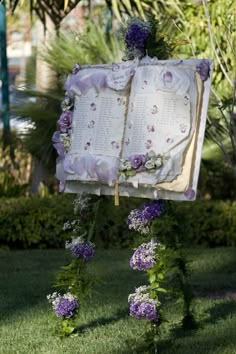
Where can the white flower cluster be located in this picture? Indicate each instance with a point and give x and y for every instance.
(136, 223)
(73, 225)
(52, 298)
(142, 295)
(65, 140)
(69, 245)
(81, 203)
(55, 299)
(144, 256)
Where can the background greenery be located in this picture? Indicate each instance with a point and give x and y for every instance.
(37, 222)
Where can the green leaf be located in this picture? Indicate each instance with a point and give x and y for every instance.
(116, 10)
(161, 290)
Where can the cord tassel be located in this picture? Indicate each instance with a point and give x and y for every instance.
(116, 194)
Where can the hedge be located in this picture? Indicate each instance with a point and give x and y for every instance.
(34, 222)
(37, 222)
(210, 223)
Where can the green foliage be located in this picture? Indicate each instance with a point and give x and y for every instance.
(76, 278)
(42, 116)
(111, 228)
(34, 222)
(92, 46)
(158, 272)
(14, 171)
(209, 223)
(37, 223)
(217, 179)
(204, 222)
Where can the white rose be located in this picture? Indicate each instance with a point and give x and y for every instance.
(66, 141)
(125, 165)
(149, 164)
(151, 154)
(158, 162)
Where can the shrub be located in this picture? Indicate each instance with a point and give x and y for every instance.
(34, 222)
(210, 223)
(37, 222)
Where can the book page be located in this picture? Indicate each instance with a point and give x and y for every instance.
(160, 120)
(156, 122)
(98, 123)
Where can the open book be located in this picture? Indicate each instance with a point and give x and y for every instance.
(138, 126)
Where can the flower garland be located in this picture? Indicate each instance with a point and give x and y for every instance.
(141, 163)
(151, 257)
(74, 278)
(160, 263)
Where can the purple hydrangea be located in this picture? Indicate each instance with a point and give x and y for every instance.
(143, 310)
(137, 161)
(63, 305)
(65, 121)
(136, 37)
(145, 256)
(139, 219)
(141, 306)
(203, 69)
(81, 248)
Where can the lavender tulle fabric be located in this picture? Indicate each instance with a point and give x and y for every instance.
(97, 168)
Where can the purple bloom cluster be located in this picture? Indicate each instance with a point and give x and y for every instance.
(65, 121)
(141, 306)
(63, 305)
(145, 256)
(81, 248)
(136, 37)
(143, 310)
(139, 219)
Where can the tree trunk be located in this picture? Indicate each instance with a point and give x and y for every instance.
(45, 79)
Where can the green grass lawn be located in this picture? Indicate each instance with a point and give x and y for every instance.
(26, 319)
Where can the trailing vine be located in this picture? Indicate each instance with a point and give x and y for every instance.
(166, 270)
(74, 279)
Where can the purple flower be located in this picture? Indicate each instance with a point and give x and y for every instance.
(136, 37)
(144, 256)
(65, 121)
(81, 248)
(203, 69)
(139, 219)
(152, 209)
(57, 144)
(137, 161)
(144, 310)
(141, 306)
(189, 193)
(63, 305)
(76, 69)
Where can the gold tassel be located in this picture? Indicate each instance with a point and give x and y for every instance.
(116, 194)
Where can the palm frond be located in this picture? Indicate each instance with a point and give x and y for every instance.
(91, 46)
(56, 10)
